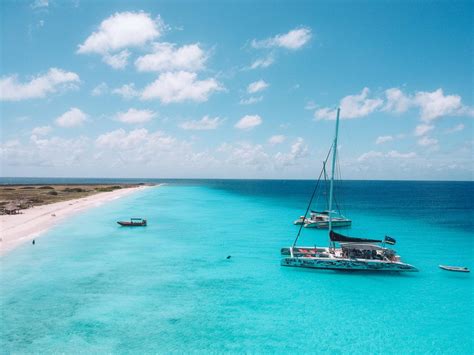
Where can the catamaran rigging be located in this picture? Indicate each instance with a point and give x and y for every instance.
(353, 253)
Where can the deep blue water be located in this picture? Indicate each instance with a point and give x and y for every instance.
(91, 286)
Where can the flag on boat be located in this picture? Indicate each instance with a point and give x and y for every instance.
(389, 240)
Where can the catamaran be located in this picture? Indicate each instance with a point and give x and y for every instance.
(320, 219)
(352, 253)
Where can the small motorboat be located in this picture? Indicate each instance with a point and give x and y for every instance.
(134, 222)
(454, 268)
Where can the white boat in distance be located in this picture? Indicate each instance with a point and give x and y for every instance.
(359, 254)
(454, 268)
(321, 220)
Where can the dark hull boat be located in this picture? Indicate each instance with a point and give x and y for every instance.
(134, 222)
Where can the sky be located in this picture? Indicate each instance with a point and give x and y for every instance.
(236, 89)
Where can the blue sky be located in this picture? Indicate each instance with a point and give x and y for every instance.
(236, 89)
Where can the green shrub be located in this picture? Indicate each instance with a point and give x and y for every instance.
(74, 189)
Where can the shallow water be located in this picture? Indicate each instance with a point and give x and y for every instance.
(90, 286)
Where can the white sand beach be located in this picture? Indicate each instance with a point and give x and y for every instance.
(32, 222)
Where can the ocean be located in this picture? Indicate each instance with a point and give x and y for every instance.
(89, 285)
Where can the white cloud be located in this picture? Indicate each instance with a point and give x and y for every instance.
(251, 100)
(254, 155)
(371, 155)
(118, 32)
(435, 104)
(147, 150)
(396, 101)
(44, 152)
(205, 123)
(245, 154)
(398, 155)
(135, 116)
(257, 86)
(294, 39)
(145, 144)
(166, 57)
(139, 149)
(426, 141)
(277, 139)
(72, 118)
(249, 122)
(262, 62)
(100, 89)
(180, 86)
(432, 105)
(127, 91)
(383, 139)
(457, 128)
(117, 61)
(422, 129)
(38, 4)
(41, 131)
(120, 139)
(352, 106)
(298, 151)
(38, 87)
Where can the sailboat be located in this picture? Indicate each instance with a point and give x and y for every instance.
(362, 254)
(320, 219)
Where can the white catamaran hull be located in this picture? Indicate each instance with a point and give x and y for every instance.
(324, 258)
(325, 224)
(346, 264)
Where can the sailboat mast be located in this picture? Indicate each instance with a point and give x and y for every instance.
(333, 169)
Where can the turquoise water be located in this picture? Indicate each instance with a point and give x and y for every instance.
(90, 286)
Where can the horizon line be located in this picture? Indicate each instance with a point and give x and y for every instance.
(207, 178)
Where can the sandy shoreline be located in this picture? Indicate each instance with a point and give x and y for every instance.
(24, 227)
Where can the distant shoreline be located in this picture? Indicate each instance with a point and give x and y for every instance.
(17, 229)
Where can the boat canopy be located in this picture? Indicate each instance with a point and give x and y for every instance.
(336, 237)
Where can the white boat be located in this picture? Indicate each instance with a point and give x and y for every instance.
(454, 268)
(321, 221)
(313, 217)
(360, 254)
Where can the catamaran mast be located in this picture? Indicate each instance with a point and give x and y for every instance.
(333, 169)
